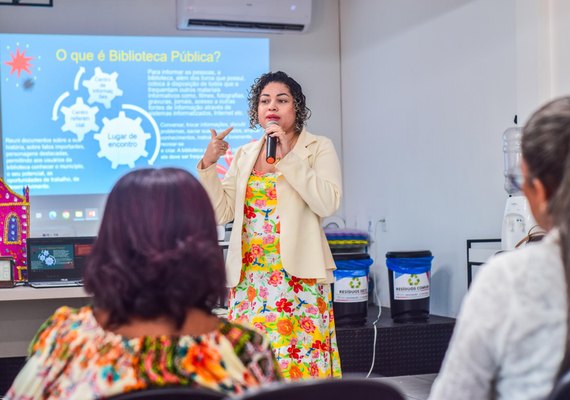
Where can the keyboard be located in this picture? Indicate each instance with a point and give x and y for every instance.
(55, 284)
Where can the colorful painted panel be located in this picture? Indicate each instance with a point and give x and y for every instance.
(14, 227)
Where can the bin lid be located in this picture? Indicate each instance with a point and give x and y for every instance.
(354, 256)
(408, 254)
(353, 264)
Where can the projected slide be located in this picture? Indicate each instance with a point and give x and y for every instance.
(78, 112)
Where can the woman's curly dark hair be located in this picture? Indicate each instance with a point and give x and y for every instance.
(302, 112)
(157, 252)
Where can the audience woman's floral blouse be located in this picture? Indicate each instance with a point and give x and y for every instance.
(73, 357)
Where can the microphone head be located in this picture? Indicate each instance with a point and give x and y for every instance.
(269, 123)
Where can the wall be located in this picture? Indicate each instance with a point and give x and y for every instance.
(534, 68)
(559, 29)
(311, 58)
(427, 90)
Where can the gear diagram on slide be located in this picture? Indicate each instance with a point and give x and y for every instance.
(103, 88)
(79, 119)
(47, 258)
(122, 139)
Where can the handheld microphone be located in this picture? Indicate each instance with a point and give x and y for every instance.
(271, 146)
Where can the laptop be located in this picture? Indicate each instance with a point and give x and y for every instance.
(57, 261)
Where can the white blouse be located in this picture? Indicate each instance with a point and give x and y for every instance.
(510, 335)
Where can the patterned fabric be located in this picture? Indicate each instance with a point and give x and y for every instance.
(295, 313)
(73, 357)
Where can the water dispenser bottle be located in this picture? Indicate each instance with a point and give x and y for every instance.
(513, 155)
(517, 219)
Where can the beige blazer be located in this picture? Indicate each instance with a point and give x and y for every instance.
(309, 188)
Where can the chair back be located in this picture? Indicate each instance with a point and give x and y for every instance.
(329, 389)
(170, 393)
(561, 389)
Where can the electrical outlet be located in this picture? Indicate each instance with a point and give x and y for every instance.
(371, 236)
(383, 224)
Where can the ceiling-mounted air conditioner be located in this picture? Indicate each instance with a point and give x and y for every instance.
(267, 16)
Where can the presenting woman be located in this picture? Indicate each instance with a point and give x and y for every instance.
(279, 264)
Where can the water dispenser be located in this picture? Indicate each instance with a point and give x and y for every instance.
(517, 219)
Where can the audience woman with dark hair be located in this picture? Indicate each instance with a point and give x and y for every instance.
(511, 337)
(155, 273)
(279, 263)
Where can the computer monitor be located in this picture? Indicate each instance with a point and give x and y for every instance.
(57, 258)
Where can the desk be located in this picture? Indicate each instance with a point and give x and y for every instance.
(24, 309)
(401, 349)
(478, 252)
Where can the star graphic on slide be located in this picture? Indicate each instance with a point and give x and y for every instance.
(19, 62)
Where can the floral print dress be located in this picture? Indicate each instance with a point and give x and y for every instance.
(295, 313)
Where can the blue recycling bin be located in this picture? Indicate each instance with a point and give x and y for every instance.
(409, 275)
(350, 290)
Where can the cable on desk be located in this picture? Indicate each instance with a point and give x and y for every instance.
(375, 332)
